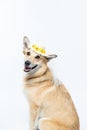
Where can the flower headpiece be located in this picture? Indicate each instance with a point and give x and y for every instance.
(38, 49)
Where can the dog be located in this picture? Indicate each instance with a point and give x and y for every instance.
(50, 105)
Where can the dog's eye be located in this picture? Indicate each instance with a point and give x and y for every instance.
(28, 53)
(37, 57)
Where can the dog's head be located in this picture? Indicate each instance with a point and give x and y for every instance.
(35, 63)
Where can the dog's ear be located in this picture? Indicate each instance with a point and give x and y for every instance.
(26, 42)
(49, 57)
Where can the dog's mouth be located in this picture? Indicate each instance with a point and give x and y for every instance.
(28, 68)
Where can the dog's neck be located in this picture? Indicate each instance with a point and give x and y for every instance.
(46, 77)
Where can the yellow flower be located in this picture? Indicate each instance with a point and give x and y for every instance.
(38, 49)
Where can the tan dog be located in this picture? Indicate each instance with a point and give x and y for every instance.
(51, 106)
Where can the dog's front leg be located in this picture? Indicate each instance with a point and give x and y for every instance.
(33, 115)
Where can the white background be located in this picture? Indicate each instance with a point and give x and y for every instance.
(59, 25)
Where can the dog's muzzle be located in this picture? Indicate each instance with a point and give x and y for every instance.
(28, 66)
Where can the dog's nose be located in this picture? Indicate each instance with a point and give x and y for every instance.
(27, 63)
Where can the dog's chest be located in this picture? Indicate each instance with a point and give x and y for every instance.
(34, 94)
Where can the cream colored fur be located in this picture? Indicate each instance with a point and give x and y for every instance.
(51, 106)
